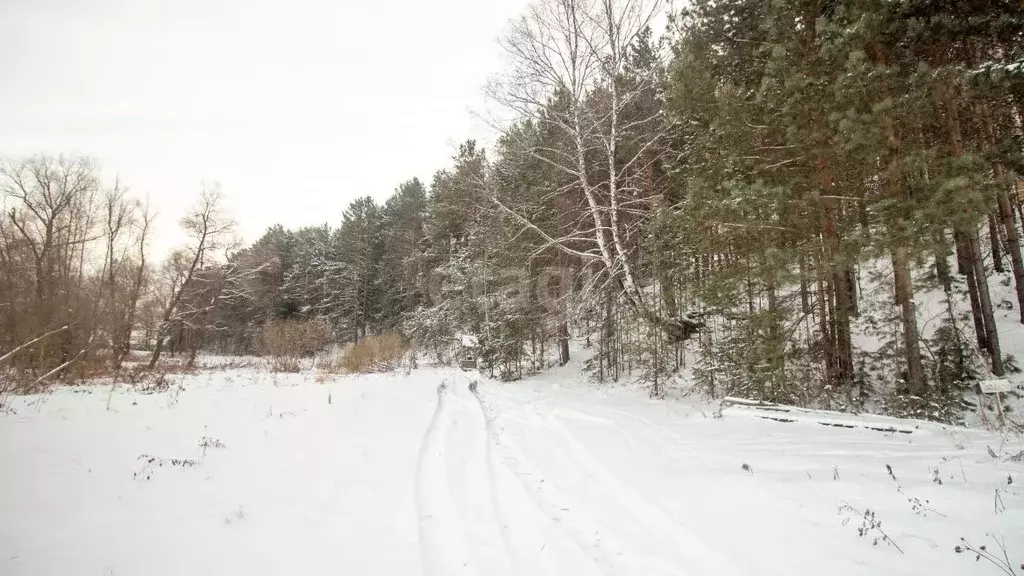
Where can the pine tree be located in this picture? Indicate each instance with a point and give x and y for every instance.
(402, 268)
(359, 242)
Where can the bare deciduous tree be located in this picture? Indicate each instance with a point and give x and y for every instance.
(130, 281)
(49, 220)
(208, 228)
(212, 288)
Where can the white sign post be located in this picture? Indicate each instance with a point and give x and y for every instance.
(996, 387)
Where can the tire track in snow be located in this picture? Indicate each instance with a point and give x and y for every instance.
(674, 540)
(499, 511)
(563, 523)
(442, 549)
(635, 547)
(472, 488)
(759, 498)
(661, 432)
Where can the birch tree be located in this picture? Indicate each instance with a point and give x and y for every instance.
(567, 61)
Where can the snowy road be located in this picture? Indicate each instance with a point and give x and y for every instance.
(422, 474)
(486, 507)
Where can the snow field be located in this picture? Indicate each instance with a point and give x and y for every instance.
(422, 474)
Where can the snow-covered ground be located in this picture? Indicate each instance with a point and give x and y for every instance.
(243, 472)
(878, 323)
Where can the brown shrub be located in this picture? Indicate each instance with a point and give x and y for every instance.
(285, 364)
(289, 339)
(13, 383)
(380, 353)
(330, 362)
(145, 380)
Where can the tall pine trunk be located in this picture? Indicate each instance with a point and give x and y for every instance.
(997, 252)
(1006, 215)
(837, 281)
(969, 252)
(1013, 242)
(778, 357)
(985, 300)
(824, 326)
(805, 291)
(892, 185)
(942, 271)
(965, 266)
(905, 299)
(844, 343)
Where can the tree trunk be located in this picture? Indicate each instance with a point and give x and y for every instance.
(156, 351)
(172, 305)
(1020, 211)
(563, 325)
(125, 332)
(837, 280)
(893, 186)
(967, 246)
(844, 344)
(966, 267)
(1006, 215)
(199, 339)
(665, 279)
(563, 343)
(851, 287)
(194, 350)
(985, 299)
(905, 299)
(997, 253)
(1013, 242)
(750, 292)
(942, 271)
(542, 341)
(805, 296)
(778, 358)
(862, 216)
(827, 341)
(969, 249)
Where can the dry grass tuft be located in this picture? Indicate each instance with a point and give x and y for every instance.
(287, 364)
(379, 353)
(287, 342)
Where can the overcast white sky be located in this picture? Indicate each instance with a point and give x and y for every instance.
(295, 106)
